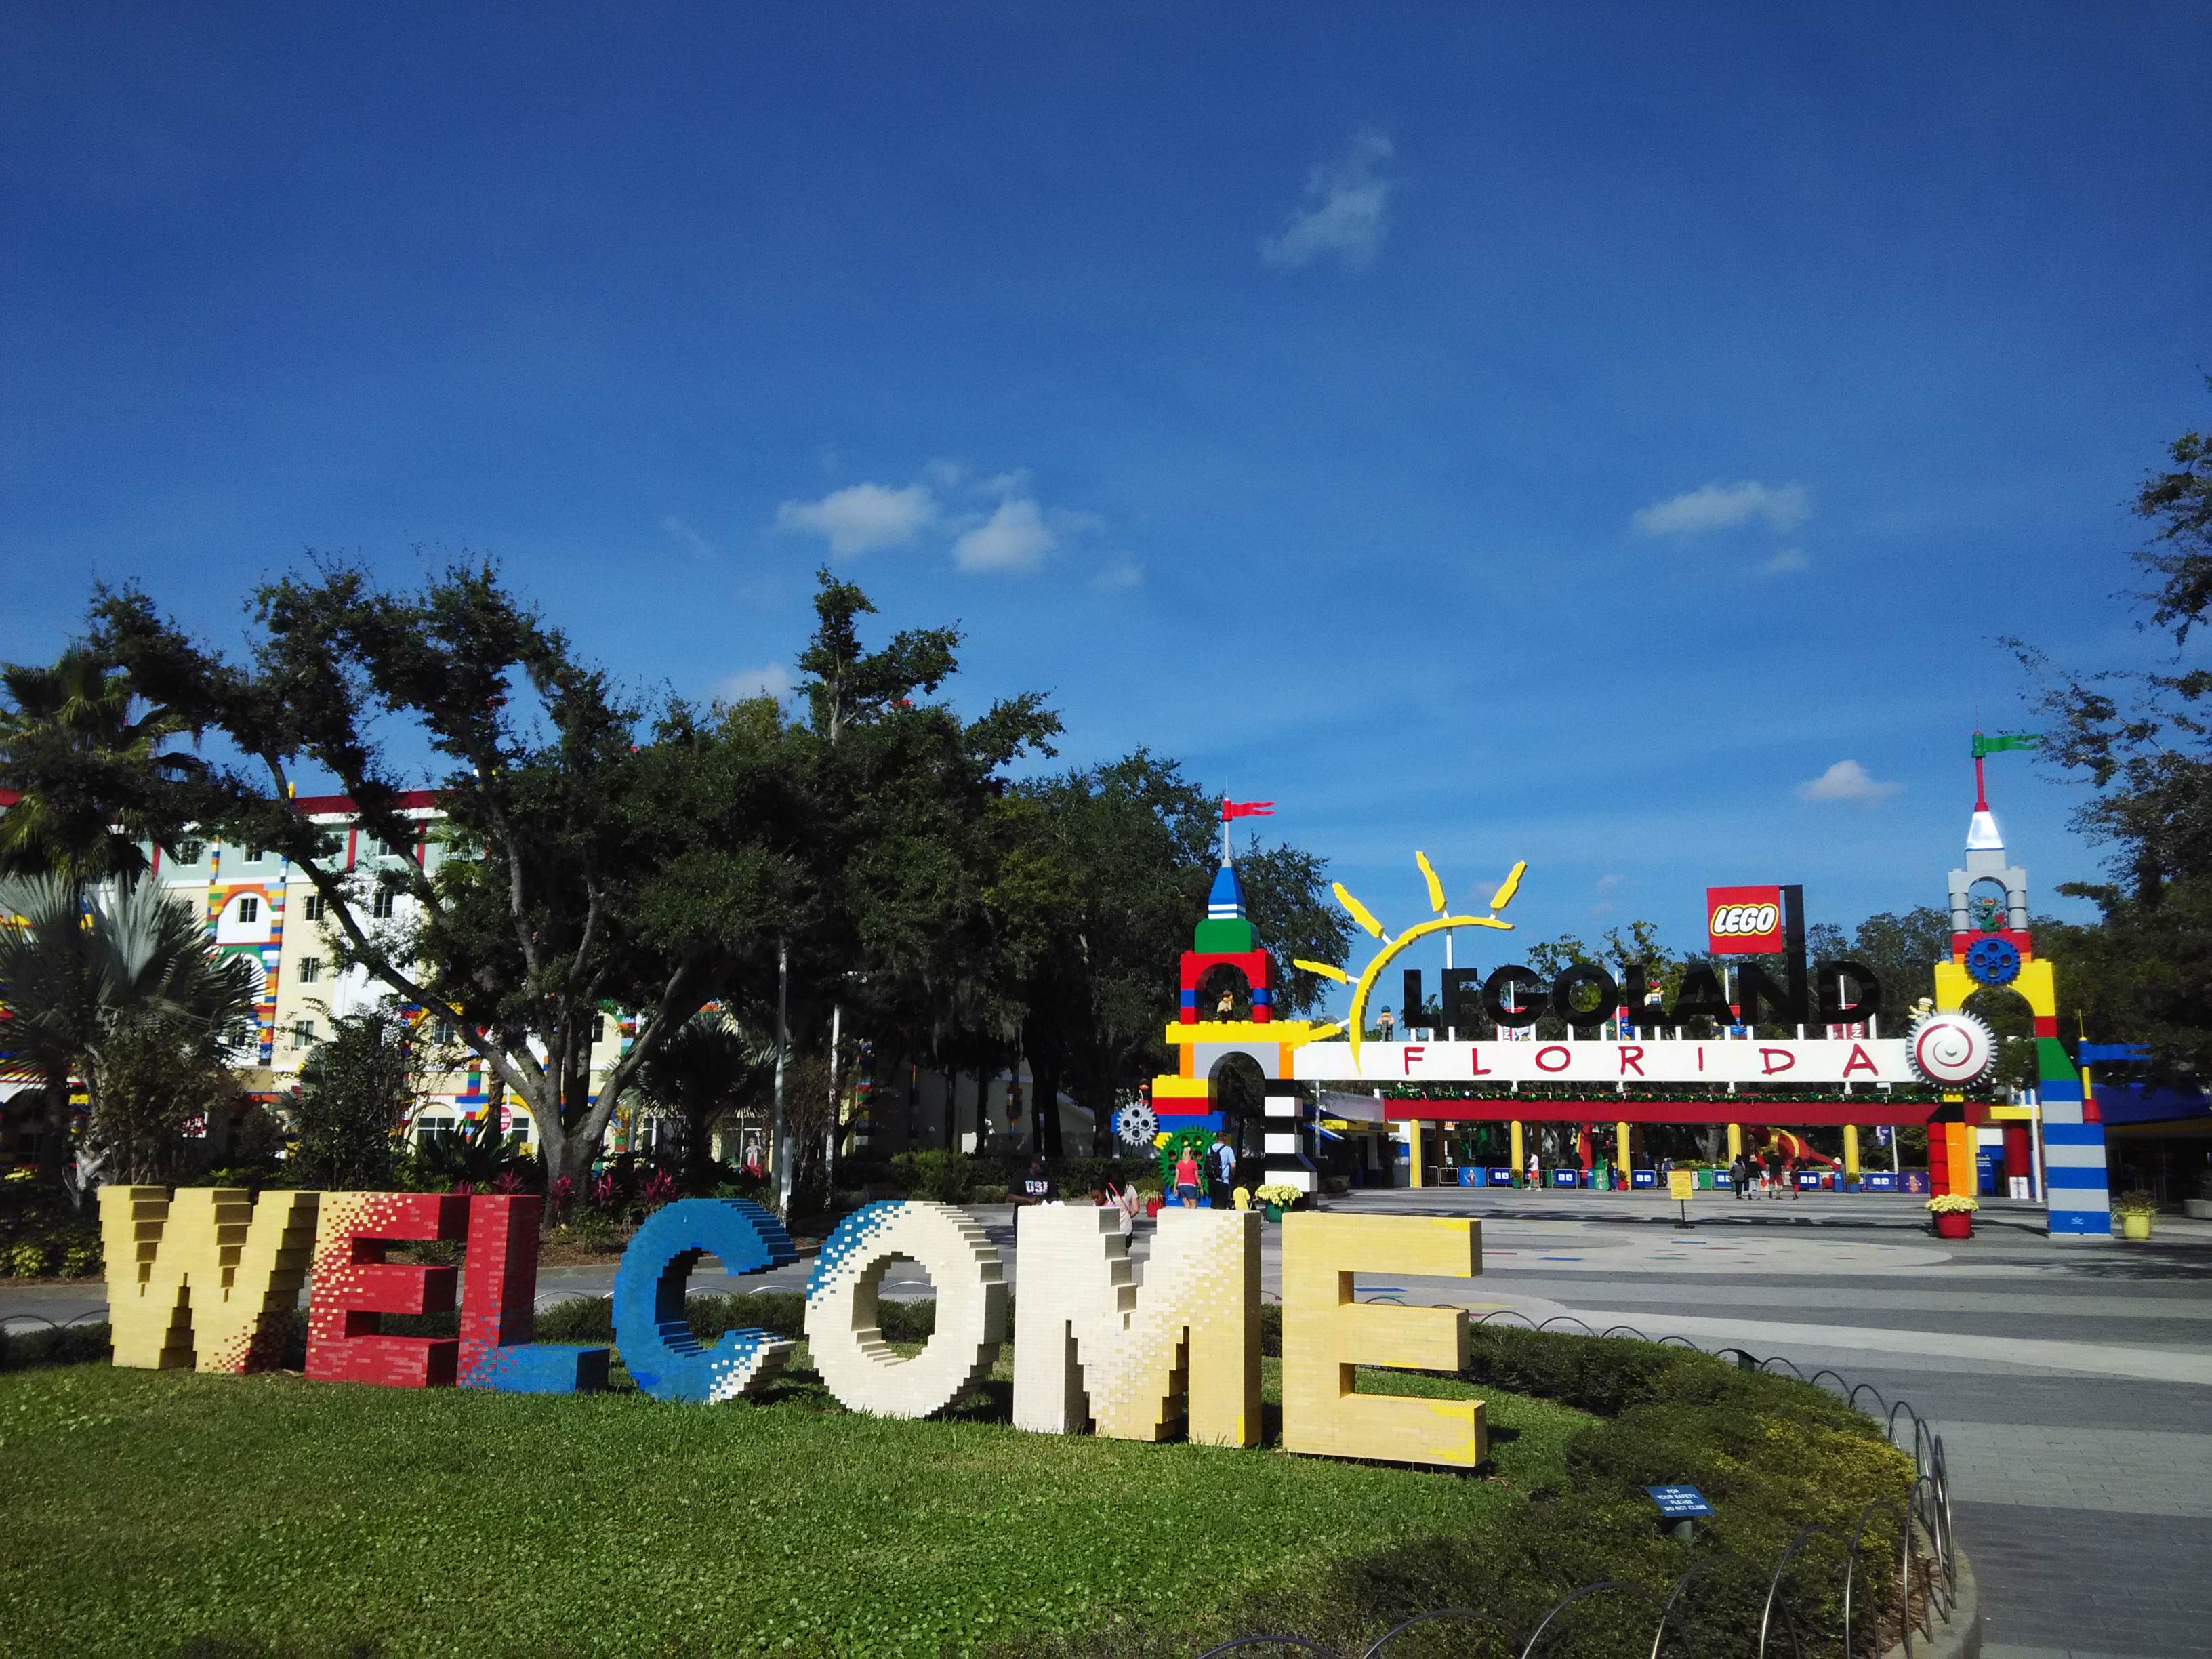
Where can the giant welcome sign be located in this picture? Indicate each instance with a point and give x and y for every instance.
(209, 1276)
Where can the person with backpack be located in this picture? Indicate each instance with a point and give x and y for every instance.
(1223, 1156)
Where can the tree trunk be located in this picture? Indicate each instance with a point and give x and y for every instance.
(562, 1151)
(1044, 1135)
(53, 1143)
(1098, 1100)
(698, 1152)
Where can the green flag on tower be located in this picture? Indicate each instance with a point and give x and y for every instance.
(2005, 741)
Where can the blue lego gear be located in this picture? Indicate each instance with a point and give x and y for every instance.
(1993, 961)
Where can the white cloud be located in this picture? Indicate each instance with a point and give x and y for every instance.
(1345, 209)
(1719, 507)
(1607, 883)
(687, 538)
(1849, 782)
(769, 680)
(1119, 576)
(1015, 537)
(862, 517)
(1787, 559)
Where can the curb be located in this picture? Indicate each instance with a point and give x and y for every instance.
(1958, 1637)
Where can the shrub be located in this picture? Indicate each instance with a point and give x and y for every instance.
(779, 1312)
(26, 1259)
(1087, 1175)
(739, 1184)
(63, 1345)
(940, 1176)
(40, 1233)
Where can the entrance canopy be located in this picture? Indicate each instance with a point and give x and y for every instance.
(1811, 1062)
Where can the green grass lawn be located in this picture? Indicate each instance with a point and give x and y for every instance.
(150, 1511)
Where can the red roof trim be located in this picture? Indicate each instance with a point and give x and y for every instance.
(406, 800)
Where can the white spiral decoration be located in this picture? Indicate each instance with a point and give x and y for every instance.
(1951, 1050)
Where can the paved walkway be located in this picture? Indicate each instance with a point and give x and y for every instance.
(2071, 1382)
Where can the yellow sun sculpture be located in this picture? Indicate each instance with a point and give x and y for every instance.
(1356, 1020)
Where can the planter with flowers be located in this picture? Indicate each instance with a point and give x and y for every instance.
(2133, 1211)
(1954, 1215)
(1278, 1196)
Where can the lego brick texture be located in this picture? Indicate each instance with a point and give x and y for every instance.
(205, 1277)
(1140, 1361)
(846, 1335)
(663, 1357)
(499, 1289)
(354, 1285)
(1326, 1335)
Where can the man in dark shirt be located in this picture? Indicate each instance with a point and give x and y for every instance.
(1036, 1187)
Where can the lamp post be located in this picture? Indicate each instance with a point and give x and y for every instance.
(778, 1131)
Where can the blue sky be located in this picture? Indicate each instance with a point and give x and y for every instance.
(1562, 433)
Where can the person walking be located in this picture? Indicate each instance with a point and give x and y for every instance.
(1223, 1159)
(1739, 1174)
(1186, 1170)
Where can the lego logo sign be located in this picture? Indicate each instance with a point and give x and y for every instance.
(1744, 921)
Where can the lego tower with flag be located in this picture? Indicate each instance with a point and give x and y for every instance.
(1189, 1098)
(1992, 949)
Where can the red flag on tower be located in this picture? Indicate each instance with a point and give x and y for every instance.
(1246, 808)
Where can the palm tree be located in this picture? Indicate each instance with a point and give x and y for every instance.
(709, 1065)
(84, 754)
(75, 970)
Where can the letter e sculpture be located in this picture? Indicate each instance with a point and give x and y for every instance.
(1327, 1335)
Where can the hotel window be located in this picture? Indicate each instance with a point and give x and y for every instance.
(314, 907)
(381, 905)
(310, 969)
(444, 1029)
(303, 1034)
(253, 856)
(249, 910)
(191, 852)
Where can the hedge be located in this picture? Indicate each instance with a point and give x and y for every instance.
(1772, 1454)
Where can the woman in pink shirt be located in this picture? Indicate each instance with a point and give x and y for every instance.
(1186, 1176)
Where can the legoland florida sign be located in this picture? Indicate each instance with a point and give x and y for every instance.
(208, 1277)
